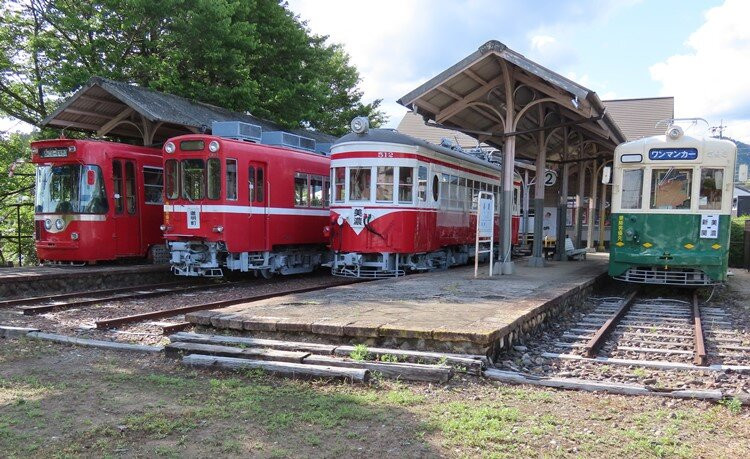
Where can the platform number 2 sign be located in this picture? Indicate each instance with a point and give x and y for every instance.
(550, 178)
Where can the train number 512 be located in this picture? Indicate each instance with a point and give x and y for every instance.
(385, 154)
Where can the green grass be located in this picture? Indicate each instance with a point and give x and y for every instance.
(360, 352)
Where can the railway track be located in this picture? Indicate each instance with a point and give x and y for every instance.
(661, 332)
(50, 303)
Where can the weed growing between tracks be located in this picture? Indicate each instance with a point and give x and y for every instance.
(68, 401)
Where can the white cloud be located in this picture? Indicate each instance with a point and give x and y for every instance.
(711, 81)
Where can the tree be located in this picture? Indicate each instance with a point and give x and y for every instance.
(246, 55)
(16, 188)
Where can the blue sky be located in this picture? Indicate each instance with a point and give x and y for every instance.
(696, 51)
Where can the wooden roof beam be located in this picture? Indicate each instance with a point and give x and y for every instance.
(114, 122)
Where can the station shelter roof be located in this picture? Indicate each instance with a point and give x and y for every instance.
(114, 108)
(638, 118)
(473, 96)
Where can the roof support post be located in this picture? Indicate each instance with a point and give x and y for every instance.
(537, 255)
(579, 198)
(509, 159)
(562, 204)
(592, 207)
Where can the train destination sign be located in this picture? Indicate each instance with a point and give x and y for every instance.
(53, 152)
(666, 154)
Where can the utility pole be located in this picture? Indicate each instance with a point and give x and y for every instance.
(720, 129)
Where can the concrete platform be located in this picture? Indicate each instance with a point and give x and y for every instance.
(440, 311)
(40, 280)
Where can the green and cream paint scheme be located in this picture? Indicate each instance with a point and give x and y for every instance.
(671, 204)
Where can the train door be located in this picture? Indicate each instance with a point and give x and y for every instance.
(258, 197)
(127, 226)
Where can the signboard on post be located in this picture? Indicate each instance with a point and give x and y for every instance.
(485, 228)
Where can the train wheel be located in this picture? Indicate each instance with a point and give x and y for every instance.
(266, 273)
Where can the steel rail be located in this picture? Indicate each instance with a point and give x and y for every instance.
(699, 357)
(32, 310)
(115, 322)
(593, 345)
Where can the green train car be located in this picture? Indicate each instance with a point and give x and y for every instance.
(671, 204)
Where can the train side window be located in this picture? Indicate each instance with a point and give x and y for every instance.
(435, 187)
(384, 184)
(670, 188)
(117, 179)
(170, 172)
(130, 186)
(445, 190)
(153, 184)
(339, 183)
(301, 196)
(316, 191)
(326, 191)
(405, 185)
(261, 186)
(632, 189)
(422, 184)
(359, 183)
(213, 189)
(712, 184)
(231, 179)
(251, 184)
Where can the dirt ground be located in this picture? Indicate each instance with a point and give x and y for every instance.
(57, 400)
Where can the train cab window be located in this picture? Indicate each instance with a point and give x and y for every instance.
(301, 192)
(670, 188)
(339, 184)
(384, 184)
(117, 179)
(130, 186)
(261, 185)
(193, 179)
(326, 192)
(213, 179)
(422, 183)
(231, 179)
(170, 179)
(359, 183)
(712, 184)
(316, 191)
(153, 183)
(435, 187)
(405, 185)
(632, 189)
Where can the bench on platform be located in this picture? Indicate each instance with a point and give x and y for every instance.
(572, 253)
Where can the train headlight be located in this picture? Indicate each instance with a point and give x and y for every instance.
(59, 224)
(218, 229)
(213, 146)
(48, 224)
(675, 132)
(360, 125)
(629, 232)
(74, 236)
(169, 147)
(340, 220)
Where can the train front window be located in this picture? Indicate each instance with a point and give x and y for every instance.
(632, 188)
(712, 183)
(193, 179)
(359, 183)
(170, 173)
(71, 188)
(670, 188)
(214, 179)
(384, 189)
(339, 180)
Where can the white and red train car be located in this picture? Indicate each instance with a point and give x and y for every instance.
(244, 206)
(402, 204)
(97, 201)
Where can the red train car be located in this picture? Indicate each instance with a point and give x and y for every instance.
(402, 204)
(244, 206)
(97, 201)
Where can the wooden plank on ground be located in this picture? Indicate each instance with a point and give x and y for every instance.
(314, 348)
(472, 363)
(405, 371)
(294, 370)
(178, 349)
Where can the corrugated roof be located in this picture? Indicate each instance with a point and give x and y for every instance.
(637, 117)
(470, 96)
(101, 101)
